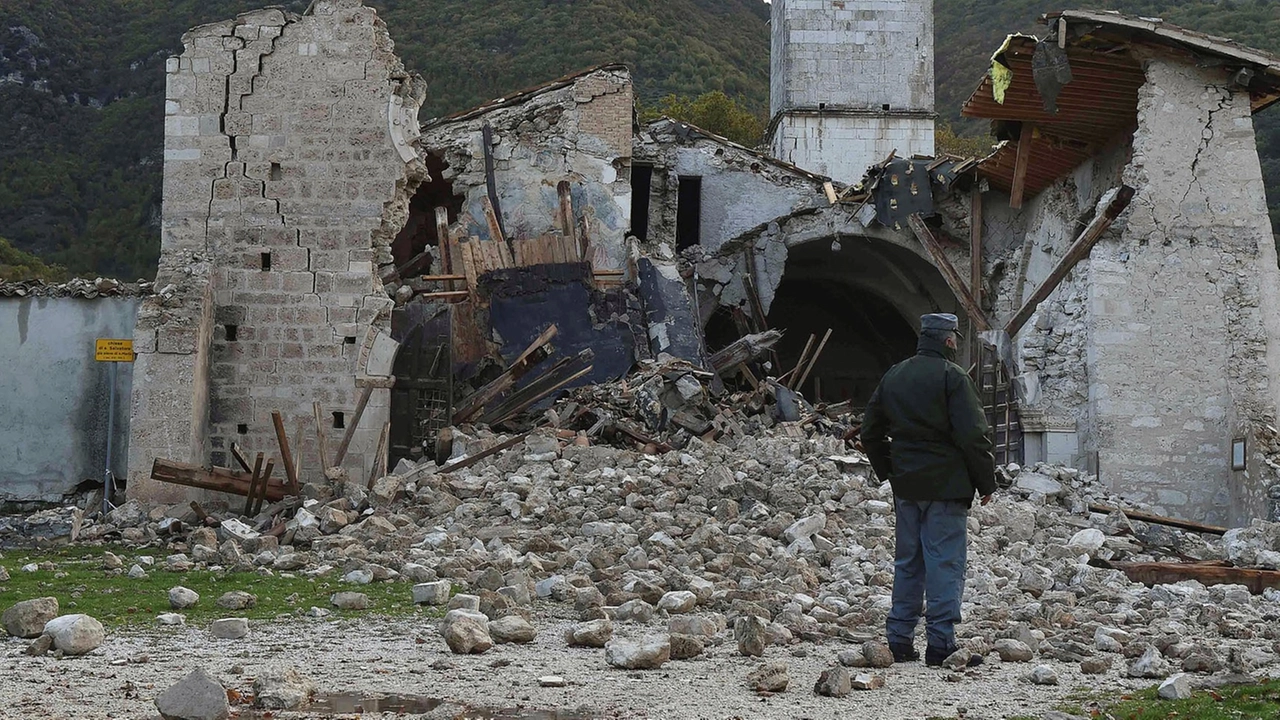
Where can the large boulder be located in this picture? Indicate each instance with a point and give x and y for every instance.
(198, 696)
(75, 634)
(181, 598)
(27, 618)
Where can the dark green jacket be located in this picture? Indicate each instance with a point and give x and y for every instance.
(926, 432)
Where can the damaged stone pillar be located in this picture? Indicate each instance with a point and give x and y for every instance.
(669, 311)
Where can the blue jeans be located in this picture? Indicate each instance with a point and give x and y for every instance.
(929, 560)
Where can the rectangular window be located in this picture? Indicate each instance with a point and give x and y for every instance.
(266, 261)
(641, 190)
(689, 213)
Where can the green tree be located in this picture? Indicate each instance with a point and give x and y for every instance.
(714, 112)
(16, 265)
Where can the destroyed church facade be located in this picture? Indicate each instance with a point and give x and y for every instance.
(318, 243)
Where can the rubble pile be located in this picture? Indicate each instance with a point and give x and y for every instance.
(774, 540)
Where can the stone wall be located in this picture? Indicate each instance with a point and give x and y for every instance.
(1184, 344)
(579, 130)
(289, 162)
(53, 432)
(850, 82)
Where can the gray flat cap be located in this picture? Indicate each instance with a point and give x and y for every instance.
(940, 321)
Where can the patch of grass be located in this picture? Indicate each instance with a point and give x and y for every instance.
(1238, 702)
(80, 584)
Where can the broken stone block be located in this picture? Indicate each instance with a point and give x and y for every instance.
(27, 618)
(595, 633)
(866, 681)
(1175, 687)
(512, 629)
(281, 688)
(237, 600)
(350, 601)
(1011, 650)
(650, 653)
(75, 634)
(685, 647)
(432, 593)
(198, 696)
(230, 628)
(749, 631)
(466, 632)
(769, 677)
(834, 682)
(181, 598)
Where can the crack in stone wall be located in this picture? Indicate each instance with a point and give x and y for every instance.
(291, 118)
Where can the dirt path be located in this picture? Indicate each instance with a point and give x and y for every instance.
(406, 657)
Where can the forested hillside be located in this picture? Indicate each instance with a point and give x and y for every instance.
(82, 82)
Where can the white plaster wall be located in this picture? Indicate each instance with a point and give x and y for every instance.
(842, 147)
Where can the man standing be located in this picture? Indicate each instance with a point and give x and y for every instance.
(925, 431)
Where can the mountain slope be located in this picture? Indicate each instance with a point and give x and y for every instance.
(82, 84)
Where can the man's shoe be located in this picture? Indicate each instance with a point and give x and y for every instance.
(934, 657)
(903, 652)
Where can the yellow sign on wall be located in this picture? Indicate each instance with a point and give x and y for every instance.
(114, 350)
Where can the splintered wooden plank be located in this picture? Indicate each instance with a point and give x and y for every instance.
(522, 253)
(491, 219)
(469, 264)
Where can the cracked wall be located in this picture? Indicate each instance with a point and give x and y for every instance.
(1184, 349)
(577, 130)
(289, 164)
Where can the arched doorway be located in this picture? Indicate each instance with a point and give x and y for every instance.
(870, 293)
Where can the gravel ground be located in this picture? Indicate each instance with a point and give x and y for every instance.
(375, 656)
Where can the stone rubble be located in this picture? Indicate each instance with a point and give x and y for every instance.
(27, 619)
(764, 540)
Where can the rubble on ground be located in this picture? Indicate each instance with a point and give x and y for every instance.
(777, 535)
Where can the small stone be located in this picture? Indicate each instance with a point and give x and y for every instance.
(198, 696)
(462, 601)
(181, 598)
(230, 628)
(4, 574)
(1095, 665)
(958, 659)
(171, 619)
(834, 682)
(40, 645)
(237, 600)
(350, 600)
(650, 653)
(111, 561)
(595, 633)
(137, 573)
(852, 658)
(877, 655)
(281, 688)
(686, 647)
(289, 562)
(1176, 687)
(1089, 540)
(749, 631)
(512, 629)
(27, 618)
(1150, 665)
(1011, 650)
(1201, 662)
(1044, 675)
(432, 593)
(359, 577)
(769, 677)
(680, 601)
(75, 634)
(466, 632)
(552, 681)
(867, 681)
(692, 625)
(635, 610)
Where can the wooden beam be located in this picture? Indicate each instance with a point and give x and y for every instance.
(1021, 164)
(468, 462)
(491, 184)
(235, 453)
(804, 355)
(743, 350)
(813, 361)
(253, 485)
(262, 486)
(351, 427)
(830, 191)
(443, 278)
(321, 444)
(286, 456)
(1160, 520)
(975, 245)
(977, 318)
(531, 356)
(218, 479)
(1078, 251)
(1206, 573)
(568, 221)
(380, 458)
(446, 295)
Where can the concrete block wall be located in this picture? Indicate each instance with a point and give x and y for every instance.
(851, 54)
(842, 147)
(581, 132)
(288, 171)
(1185, 351)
